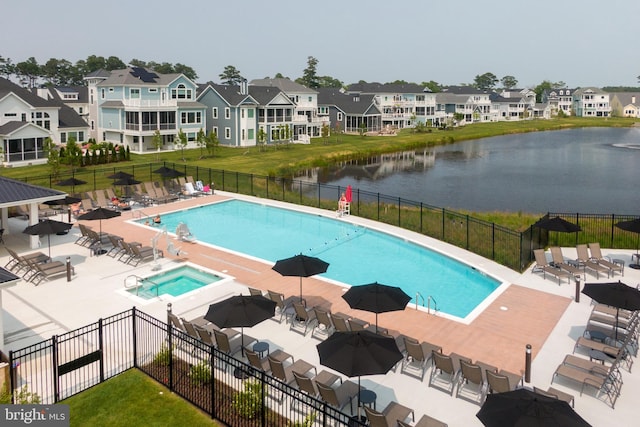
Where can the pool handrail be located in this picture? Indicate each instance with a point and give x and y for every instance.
(138, 285)
(418, 294)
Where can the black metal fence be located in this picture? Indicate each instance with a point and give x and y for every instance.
(224, 387)
(507, 247)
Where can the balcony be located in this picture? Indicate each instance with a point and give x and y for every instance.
(149, 103)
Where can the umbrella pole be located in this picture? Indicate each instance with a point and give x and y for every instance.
(376, 323)
(49, 242)
(359, 389)
(301, 289)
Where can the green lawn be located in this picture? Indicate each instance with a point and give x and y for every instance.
(133, 399)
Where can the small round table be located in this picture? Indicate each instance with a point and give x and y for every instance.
(260, 347)
(368, 397)
(598, 356)
(598, 336)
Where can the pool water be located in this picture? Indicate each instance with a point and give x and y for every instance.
(175, 282)
(356, 255)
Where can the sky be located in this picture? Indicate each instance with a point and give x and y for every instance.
(579, 42)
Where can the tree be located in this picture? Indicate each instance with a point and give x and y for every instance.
(212, 142)
(546, 85)
(309, 76)
(28, 72)
(262, 137)
(6, 67)
(73, 153)
(328, 81)
(509, 82)
(362, 128)
(486, 81)
(434, 87)
(156, 140)
(53, 156)
(181, 141)
(231, 76)
(189, 72)
(201, 141)
(324, 132)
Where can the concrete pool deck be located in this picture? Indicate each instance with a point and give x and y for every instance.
(527, 310)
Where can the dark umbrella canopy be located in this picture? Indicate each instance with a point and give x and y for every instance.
(120, 175)
(126, 181)
(99, 214)
(557, 224)
(524, 408)
(166, 172)
(615, 294)
(68, 200)
(241, 311)
(300, 266)
(376, 298)
(48, 227)
(357, 353)
(71, 182)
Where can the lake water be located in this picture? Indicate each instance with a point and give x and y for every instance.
(590, 170)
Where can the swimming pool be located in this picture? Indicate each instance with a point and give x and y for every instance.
(357, 255)
(175, 282)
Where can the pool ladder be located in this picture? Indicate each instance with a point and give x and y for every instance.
(137, 283)
(429, 300)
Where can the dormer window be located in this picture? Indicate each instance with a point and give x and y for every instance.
(181, 92)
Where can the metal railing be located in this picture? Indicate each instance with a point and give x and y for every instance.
(511, 248)
(224, 387)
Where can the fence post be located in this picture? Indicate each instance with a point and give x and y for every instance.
(54, 362)
(12, 381)
(170, 338)
(134, 332)
(101, 348)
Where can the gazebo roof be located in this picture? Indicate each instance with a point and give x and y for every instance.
(15, 193)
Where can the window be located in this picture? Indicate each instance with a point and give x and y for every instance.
(80, 110)
(215, 112)
(181, 92)
(134, 93)
(227, 133)
(102, 93)
(242, 113)
(244, 134)
(92, 125)
(153, 90)
(190, 117)
(227, 113)
(10, 114)
(339, 117)
(250, 113)
(250, 133)
(63, 137)
(191, 136)
(111, 90)
(214, 130)
(310, 99)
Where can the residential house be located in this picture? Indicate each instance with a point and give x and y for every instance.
(559, 100)
(231, 113)
(76, 97)
(306, 121)
(349, 112)
(625, 104)
(134, 103)
(591, 102)
(401, 105)
(27, 120)
(471, 104)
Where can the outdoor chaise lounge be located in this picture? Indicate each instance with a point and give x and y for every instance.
(389, 416)
(542, 265)
(339, 397)
(40, 272)
(607, 385)
(283, 305)
(556, 394)
(417, 356)
(472, 384)
(425, 421)
(596, 255)
(445, 370)
(302, 319)
(558, 261)
(584, 260)
(503, 381)
(18, 263)
(324, 325)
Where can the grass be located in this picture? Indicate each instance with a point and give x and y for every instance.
(133, 399)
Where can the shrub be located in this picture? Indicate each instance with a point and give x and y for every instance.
(248, 403)
(200, 373)
(23, 397)
(163, 357)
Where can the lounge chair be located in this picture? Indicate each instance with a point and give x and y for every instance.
(231, 347)
(557, 260)
(389, 416)
(339, 322)
(254, 359)
(40, 273)
(339, 397)
(596, 255)
(542, 265)
(142, 254)
(255, 292)
(503, 381)
(556, 394)
(323, 325)
(302, 318)
(584, 260)
(445, 371)
(283, 305)
(425, 421)
(18, 263)
(471, 378)
(606, 385)
(417, 357)
(285, 373)
(116, 247)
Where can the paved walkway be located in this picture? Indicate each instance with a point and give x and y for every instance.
(526, 310)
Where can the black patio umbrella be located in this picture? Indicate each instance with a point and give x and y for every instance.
(357, 353)
(166, 172)
(633, 226)
(614, 294)
(99, 214)
(241, 310)
(300, 266)
(71, 182)
(126, 182)
(525, 408)
(376, 298)
(68, 200)
(120, 175)
(48, 227)
(557, 224)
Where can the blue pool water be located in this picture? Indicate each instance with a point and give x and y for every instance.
(356, 255)
(175, 282)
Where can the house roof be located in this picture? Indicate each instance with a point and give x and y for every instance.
(82, 91)
(7, 277)
(10, 127)
(627, 98)
(464, 90)
(264, 95)
(98, 73)
(69, 118)
(138, 76)
(14, 193)
(386, 88)
(285, 85)
(349, 104)
(230, 93)
(7, 87)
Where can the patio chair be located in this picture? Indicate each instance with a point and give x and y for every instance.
(306, 384)
(339, 397)
(175, 323)
(471, 378)
(84, 239)
(596, 255)
(556, 394)
(18, 263)
(584, 260)
(417, 356)
(142, 254)
(323, 325)
(542, 265)
(425, 421)
(302, 318)
(557, 260)
(40, 272)
(445, 370)
(339, 323)
(255, 292)
(389, 416)
(282, 305)
(116, 247)
(605, 385)
(231, 347)
(254, 359)
(285, 373)
(501, 382)
(101, 200)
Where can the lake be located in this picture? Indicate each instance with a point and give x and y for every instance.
(589, 170)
